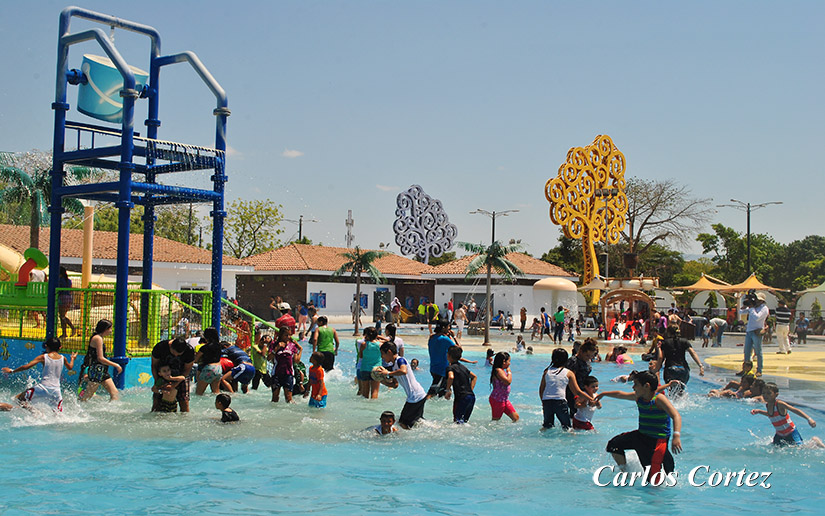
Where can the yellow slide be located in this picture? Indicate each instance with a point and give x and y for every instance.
(10, 262)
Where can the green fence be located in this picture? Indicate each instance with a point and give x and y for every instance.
(232, 329)
(168, 313)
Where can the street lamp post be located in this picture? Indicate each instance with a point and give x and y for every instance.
(747, 208)
(300, 223)
(489, 314)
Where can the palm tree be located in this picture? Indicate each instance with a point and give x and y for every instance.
(358, 262)
(27, 180)
(494, 257)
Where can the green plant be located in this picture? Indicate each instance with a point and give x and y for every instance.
(358, 262)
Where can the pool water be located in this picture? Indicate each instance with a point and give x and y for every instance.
(102, 457)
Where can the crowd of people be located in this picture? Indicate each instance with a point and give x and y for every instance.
(569, 394)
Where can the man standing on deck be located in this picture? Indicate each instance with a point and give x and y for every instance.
(757, 316)
(783, 326)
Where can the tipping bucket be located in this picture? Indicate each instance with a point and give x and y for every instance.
(100, 96)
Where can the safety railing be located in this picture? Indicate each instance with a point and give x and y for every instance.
(153, 315)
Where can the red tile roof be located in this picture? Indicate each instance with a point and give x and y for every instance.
(302, 257)
(527, 264)
(105, 246)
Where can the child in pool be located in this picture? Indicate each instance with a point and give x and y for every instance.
(489, 360)
(756, 390)
(535, 328)
(500, 380)
(737, 392)
(529, 350)
(387, 423)
(283, 373)
(518, 347)
(460, 381)
(167, 386)
(399, 374)
(777, 411)
(584, 408)
(553, 387)
(414, 364)
(222, 402)
(622, 357)
(48, 390)
(747, 367)
(318, 389)
(658, 420)
(299, 369)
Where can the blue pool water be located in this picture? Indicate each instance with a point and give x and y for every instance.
(103, 458)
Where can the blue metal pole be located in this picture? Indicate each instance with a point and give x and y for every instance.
(124, 206)
(152, 123)
(60, 106)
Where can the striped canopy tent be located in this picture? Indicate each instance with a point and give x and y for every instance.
(705, 284)
(752, 283)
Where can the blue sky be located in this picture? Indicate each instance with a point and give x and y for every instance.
(340, 105)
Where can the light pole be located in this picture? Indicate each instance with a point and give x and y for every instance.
(489, 313)
(747, 208)
(300, 223)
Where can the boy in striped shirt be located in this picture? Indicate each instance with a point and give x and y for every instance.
(658, 420)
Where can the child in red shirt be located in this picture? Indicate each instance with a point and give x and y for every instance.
(318, 390)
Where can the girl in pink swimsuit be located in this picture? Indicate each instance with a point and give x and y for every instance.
(500, 379)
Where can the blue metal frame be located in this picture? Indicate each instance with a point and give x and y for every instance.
(126, 192)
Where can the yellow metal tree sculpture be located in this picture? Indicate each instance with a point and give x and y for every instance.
(587, 199)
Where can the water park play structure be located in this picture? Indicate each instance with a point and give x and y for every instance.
(109, 91)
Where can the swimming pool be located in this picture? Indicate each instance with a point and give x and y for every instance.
(118, 457)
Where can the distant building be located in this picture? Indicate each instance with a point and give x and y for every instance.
(176, 266)
(304, 272)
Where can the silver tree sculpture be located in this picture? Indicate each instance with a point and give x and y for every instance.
(422, 227)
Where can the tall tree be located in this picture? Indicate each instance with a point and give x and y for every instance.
(251, 227)
(730, 248)
(567, 255)
(692, 270)
(28, 181)
(359, 262)
(492, 257)
(804, 263)
(662, 211)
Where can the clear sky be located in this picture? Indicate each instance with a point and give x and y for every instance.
(340, 105)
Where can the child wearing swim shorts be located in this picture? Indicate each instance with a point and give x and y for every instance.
(500, 380)
(48, 390)
(167, 386)
(400, 373)
(777, 412)
(553, 387)
(462, 381)
(582, 418)
(658, 420)
(318, 389)
(283, 372)
(228, 415)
